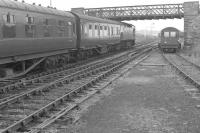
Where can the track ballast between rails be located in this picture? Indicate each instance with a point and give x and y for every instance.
(18, 111)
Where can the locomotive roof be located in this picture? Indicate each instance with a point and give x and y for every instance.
(170, 28)
(32, 8)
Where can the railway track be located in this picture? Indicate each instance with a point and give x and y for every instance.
(11, 80)
(26, 84)
(19, 110)
(15, 81)
(187, 69)
(66, 114)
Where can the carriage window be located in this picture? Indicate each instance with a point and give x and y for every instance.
(61, 28)
(46, 32)
(61, 23)
(96, 27)
(112, 31)
(118, 31)
(166, 34)
(9, 28)
(29, 30)
(82, 29)
(46, 29)
(46, 22)
(29, 27)
(74, 28)
(70, 28)
(29, 20)
(173, 34)
(9, 18)
(85, 29)
(90, 27)
(61, 31)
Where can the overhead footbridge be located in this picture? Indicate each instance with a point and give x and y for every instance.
(143, 12)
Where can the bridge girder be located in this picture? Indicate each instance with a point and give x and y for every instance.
(162, 11)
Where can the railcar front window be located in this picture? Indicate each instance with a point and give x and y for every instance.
(166, 34)
(173, 34)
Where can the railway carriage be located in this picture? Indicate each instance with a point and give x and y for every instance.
(35, 36)
(169, 40)
(102, 36)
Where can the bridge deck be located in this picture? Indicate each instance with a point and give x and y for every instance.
(162, 11)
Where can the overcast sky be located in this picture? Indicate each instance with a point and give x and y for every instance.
(150, 24)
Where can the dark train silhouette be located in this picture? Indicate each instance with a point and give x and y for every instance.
(32, 35)
(169, 40)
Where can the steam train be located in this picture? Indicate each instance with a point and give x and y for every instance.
(169, 40)
(32, 35)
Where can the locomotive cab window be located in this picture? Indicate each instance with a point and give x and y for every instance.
(9, 28)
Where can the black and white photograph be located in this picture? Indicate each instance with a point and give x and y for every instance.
(99, 66)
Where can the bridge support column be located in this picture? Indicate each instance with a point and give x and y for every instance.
(191, 11)
(78, 10)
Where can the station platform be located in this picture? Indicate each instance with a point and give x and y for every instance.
(150, 98)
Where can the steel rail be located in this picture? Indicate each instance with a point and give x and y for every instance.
(31, 78)
(47, 78)
(23, 122)
(184, 71)
(67, 78)
(67, 109)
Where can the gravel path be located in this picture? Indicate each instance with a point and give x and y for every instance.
(148, 99)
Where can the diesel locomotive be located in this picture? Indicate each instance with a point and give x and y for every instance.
(169, 40)
(32, 35)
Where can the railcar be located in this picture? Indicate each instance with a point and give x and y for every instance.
(35, 36)
(169, 40)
